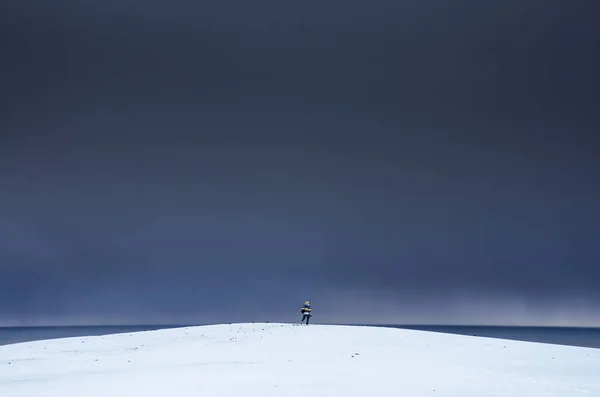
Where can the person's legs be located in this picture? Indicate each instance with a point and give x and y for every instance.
(307, 319)
(303, 318)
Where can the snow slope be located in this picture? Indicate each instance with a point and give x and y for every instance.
(260, 360)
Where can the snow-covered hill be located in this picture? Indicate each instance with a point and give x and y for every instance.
(260, 360)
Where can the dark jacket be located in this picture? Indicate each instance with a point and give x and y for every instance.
(306, 310)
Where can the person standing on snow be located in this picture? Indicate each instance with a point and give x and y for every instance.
(306, 312)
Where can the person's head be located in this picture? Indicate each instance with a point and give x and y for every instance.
(307, 303)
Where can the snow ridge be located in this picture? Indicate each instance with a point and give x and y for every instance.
(292, 360)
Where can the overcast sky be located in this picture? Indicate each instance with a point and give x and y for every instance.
(394, 161)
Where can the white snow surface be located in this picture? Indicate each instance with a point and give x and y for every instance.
(259, 360)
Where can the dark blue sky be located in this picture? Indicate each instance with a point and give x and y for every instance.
(396, 162)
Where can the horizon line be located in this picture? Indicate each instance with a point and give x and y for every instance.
(398, 325)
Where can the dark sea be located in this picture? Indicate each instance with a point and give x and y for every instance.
(9, 335)
(585, 337)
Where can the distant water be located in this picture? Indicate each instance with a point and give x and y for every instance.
(585, 337)
(9, 335)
